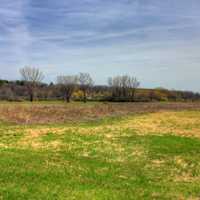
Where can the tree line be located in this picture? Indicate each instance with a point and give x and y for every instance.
(81, 87)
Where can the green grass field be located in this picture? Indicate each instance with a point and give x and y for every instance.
(143, 156)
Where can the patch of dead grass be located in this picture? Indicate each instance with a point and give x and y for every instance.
(158, 163)
(187, 178)
(20, 113)
(177, 123)
(166, 123)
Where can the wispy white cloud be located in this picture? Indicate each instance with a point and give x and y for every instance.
(15, 36)
(141, 37)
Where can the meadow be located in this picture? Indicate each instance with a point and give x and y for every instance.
(55, 150)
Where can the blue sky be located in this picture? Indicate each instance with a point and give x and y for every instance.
(157, 41)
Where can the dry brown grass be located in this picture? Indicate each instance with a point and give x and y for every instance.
(184, 123)
(179, 123)
(157, 118)
(60, 113)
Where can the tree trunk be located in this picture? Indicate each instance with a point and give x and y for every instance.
(30, 89)
(133, 95)
(84, 96)
(68, 99)
(31, 97)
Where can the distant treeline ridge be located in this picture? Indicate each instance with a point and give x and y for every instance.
(81, 87)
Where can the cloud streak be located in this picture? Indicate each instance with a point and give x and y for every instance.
(150, 39)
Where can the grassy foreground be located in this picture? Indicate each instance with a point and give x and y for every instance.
(148, 156)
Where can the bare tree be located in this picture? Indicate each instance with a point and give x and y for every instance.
(67, 85)
(133, 85)
(32, 77)
(123, 86)
(115, 85)
(85, 82)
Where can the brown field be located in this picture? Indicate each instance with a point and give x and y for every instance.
(58, 112)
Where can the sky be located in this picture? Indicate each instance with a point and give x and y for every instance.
(157, 41)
